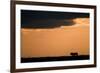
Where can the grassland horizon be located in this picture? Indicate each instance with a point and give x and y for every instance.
(49, 59)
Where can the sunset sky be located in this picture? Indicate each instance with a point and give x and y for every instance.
(45, 33)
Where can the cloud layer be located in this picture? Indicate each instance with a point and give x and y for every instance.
(47, 19)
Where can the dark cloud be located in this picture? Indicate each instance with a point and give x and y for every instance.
(48, 19)
(44, 23)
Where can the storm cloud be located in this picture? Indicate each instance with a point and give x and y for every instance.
(48, 19)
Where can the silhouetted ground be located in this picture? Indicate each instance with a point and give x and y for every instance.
(60, 58)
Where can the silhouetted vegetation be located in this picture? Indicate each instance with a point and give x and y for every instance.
(60, 58)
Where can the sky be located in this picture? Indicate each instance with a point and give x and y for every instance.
(45, 33)
(47, 19)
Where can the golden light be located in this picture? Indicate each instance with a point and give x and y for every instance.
(82, 21)
(56, 41)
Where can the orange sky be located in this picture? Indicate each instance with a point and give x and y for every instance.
(56, 41)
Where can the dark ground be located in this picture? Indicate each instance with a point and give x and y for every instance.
(60, 58)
